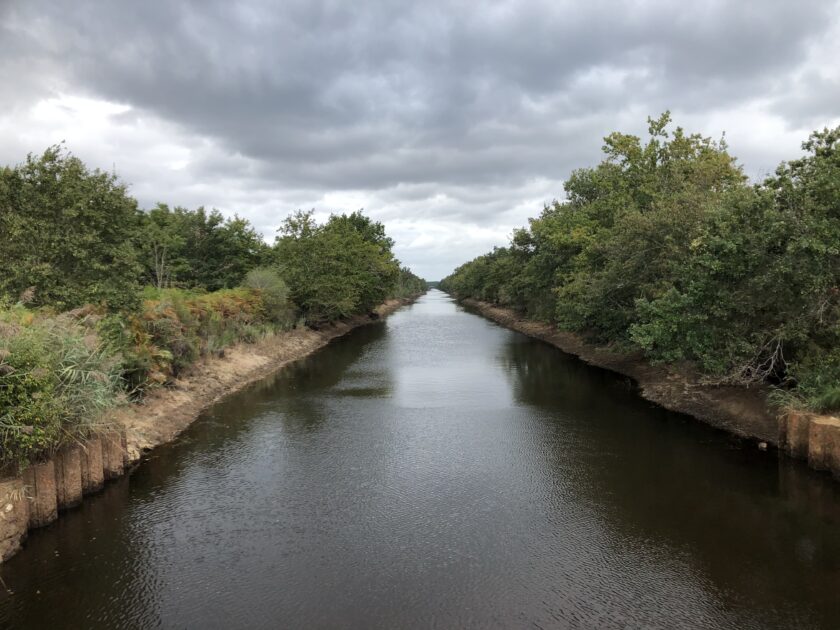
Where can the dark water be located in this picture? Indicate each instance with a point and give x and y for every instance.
(436, 470)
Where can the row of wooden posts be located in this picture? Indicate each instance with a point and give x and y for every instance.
(35, 497)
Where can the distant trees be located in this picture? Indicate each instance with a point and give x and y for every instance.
(196, 248)
(70, 236)
(68, 232)
(409, 284)
(666, 247)
(334, 270)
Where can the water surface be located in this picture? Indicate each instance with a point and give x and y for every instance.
(437, 470)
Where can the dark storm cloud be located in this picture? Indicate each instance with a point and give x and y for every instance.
(472, 100)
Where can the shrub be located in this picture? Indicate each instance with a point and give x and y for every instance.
(56, 380)
(274, 294)
(817, 378)
(67, 233)
(336, 270)
(175, 328)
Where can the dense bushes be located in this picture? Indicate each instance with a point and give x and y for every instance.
(197, 249)
(70, 236)
(276, 302)
(666, 247)
(58, 374)
(56, 379)
(408, 284)
(175, 328)
(337, 269)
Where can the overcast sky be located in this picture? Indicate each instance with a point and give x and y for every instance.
(452, 122)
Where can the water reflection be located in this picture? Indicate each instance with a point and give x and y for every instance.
(438, 470)
(304, 386)
(741, 518)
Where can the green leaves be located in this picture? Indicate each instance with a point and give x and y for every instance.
(68, 232)
(274, 294)
(338, 269)
(71, 238)
(58, 382)
(665, 245)
(197, 249)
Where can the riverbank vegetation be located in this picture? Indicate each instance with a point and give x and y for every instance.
(667, 248)
(101, 301)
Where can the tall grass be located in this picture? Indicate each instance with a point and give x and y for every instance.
(56, 381)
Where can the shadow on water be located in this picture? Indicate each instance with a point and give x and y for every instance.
(297, 388)
(87, 536)
(742, 516)
(301, 385)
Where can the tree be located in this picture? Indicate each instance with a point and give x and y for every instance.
(665, 246)
(162, 245)
(197, 249)
(338, 269)
(68, 232)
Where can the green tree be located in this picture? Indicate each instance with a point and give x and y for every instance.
(665, 246)
(758, 297)
(162, 244)
(67, 231)
(634, 217)
(408, 284)
(338, 269)
(198, 249)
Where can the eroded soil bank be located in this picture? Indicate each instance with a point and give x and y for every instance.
(739, 410)
(167, 412)
(38, 495)
(742, 411)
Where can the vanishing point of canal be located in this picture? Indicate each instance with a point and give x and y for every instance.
(435, 470)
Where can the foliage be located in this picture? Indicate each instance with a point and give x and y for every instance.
(67, 233)
(56, 380)
(408, 284)
(73, 238)
(195, 248)
(665, 246)
(174, 330)
(338, 269)
(274, 293)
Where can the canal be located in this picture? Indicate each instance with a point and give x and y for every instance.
(437, 470)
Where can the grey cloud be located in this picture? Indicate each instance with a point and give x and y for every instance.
(409, 101)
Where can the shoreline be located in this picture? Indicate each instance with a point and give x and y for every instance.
(166, 413)
(741, 411)
(41, 492)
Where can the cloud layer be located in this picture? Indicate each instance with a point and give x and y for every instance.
(452, 121)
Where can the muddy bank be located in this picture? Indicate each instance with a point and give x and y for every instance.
(739, 410)
(37, 496)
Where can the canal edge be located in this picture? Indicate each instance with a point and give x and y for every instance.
(43, 491)
(743, 412)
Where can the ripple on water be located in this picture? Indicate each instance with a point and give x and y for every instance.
(436, 470)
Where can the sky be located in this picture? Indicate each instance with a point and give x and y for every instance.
(451, 122)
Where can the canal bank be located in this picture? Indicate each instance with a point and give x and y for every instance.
(438, 470)
(39, 495)
(742, 411)
(167, 412)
